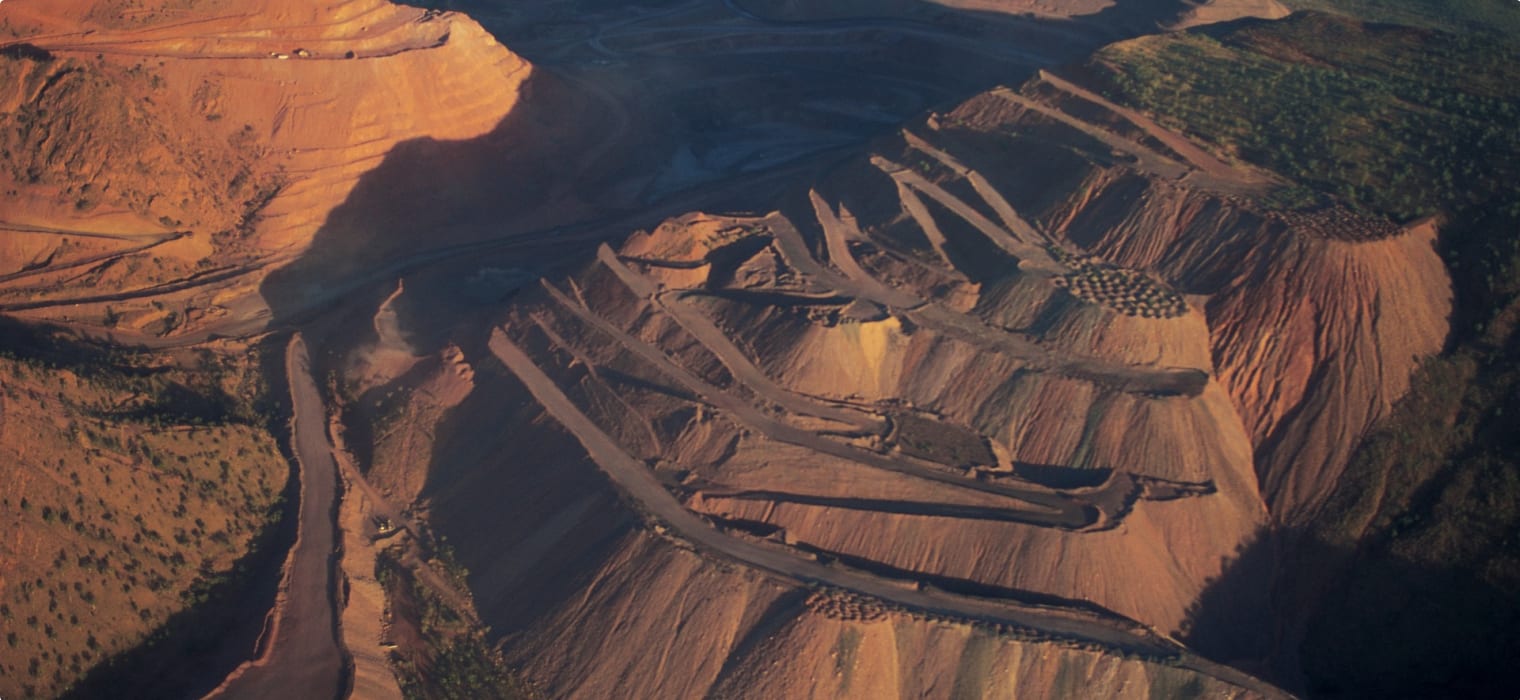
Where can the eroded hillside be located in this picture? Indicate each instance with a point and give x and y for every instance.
(1406, 575)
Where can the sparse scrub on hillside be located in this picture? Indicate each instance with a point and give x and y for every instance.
(941, 442)
(138, 517)
(1434, 490)
(1391, 122)
(1450, 15)
(445, 656)
(1387, 122)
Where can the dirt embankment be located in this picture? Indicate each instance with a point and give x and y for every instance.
(728, 395)
(1313, 337)
(1215, 11)
(235, 129)
(753, 365)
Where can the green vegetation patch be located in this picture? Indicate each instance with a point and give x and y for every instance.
(1451, 15)
(1389, 120)
(1421, 536)
(442, 655)
(142, 499)
(1426, 523)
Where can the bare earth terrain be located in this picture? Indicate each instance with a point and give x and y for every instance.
(707, 348)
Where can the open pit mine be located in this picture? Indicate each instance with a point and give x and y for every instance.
(746, 349)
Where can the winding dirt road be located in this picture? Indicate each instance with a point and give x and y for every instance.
(302, 655)
(732, 357)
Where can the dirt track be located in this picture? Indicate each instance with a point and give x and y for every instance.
(1041, 507)
(1141, 379)
(701, 327)
(1202, 169)
(1097, 508)
(301, 655)
(639, 484)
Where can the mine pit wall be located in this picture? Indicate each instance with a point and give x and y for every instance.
(244, 126)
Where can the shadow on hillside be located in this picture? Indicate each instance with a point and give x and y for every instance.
(525, 176)
(517, 500)
(55, 346)
(525, 510)
(1330, 622)
(427, 195)
(190, 654)
(1233, 620)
